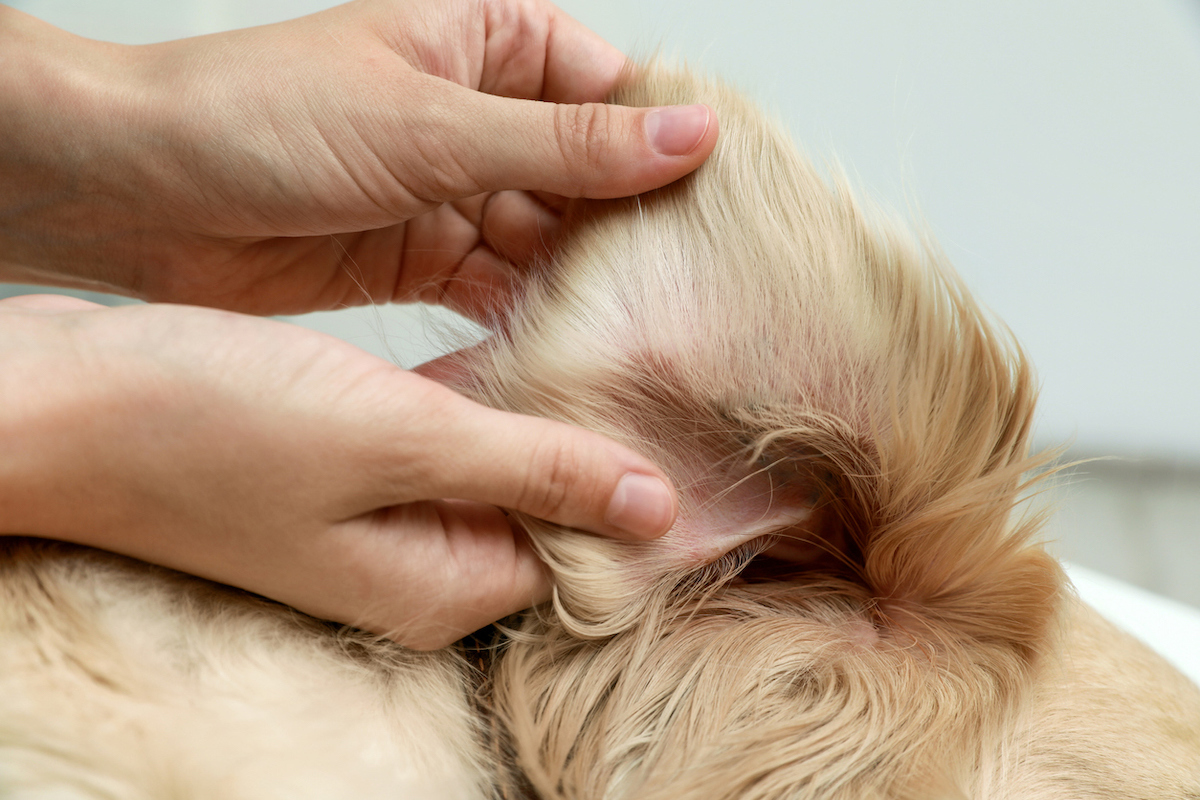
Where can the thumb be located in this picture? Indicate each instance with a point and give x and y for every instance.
(592, 150)
(550, 470)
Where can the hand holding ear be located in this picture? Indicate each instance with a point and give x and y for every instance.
(285, 462)
(384, 150)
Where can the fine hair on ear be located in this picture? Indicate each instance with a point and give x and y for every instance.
(848, 606)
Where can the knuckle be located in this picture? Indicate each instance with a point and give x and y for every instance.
(556, 474)
(441, 167)
(444, 174)
(432, 415)
(523, 23)
(585, 139)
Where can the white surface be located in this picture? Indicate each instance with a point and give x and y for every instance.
(1171, 628)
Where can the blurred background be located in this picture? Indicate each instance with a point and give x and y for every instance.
(1053, 146)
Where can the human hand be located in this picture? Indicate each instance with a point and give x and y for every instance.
(291, 464)
(356, 155)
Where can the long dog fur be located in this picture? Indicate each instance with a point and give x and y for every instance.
(850, 606)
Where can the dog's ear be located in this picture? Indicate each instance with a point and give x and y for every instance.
(811, 376)
(759, 505)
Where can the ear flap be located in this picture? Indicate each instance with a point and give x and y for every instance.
(764, 502)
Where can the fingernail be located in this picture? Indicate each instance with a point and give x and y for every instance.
(676, 130)
(641, 506)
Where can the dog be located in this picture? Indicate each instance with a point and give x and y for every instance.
(852, 604)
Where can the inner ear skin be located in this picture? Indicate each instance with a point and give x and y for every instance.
(819, 542)
(755, 502)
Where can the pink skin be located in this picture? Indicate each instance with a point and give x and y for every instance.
(726, 510)
(756, 506)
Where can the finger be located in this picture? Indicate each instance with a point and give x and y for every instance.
(519, 228)
(535, 50)
(491, 571)
(544, 468)
(461, 254)
(477, 142)
(53, 303)
(445, 261)
(482, 290)
(471, 208)
(428, 573)
(554, 202)
(590, 150)
(580, 66)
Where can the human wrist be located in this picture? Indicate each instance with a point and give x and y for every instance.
(66, 104)
(78, 404)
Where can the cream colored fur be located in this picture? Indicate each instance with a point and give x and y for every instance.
(850, 606)
(126, 682)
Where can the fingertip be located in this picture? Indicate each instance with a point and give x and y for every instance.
(644, 149)
(532, 583)
(678, 130)
(642, 506)
(519, 228)
(475, 567)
